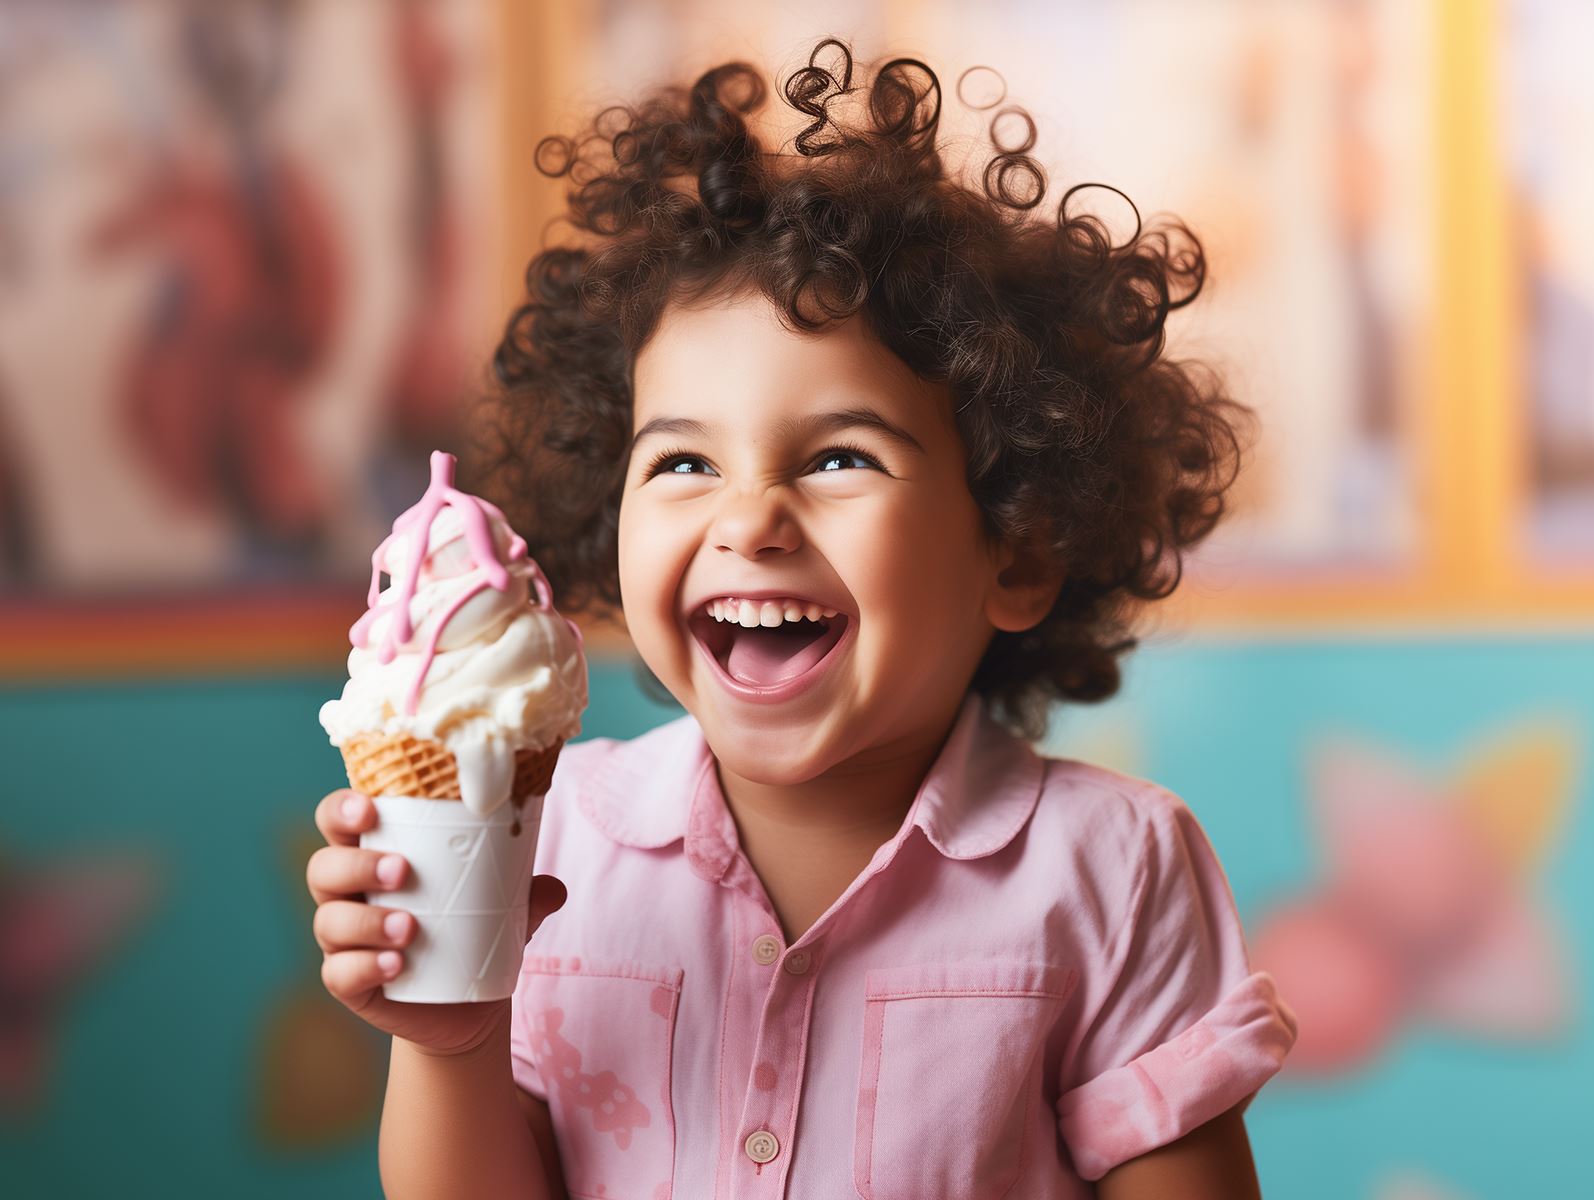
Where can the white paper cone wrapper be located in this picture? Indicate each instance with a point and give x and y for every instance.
(468, 886)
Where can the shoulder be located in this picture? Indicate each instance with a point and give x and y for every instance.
(602, 787)
(634, 790)
(1109, 813)
(578, 760)
(1117, 837)
(596, 758)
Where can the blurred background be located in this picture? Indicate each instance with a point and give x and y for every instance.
(254, 256)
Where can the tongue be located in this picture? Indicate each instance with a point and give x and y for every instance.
(764, 657)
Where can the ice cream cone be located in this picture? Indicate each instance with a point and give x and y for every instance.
(464, 685)
(402, 765)
(470, 874)
(468, 887)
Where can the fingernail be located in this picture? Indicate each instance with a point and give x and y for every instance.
(388, 869)
(353, 809)
(388, 962)
(396, 925)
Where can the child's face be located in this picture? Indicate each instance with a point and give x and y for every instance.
(746, 505)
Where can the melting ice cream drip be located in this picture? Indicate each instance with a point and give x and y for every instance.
(491, 570)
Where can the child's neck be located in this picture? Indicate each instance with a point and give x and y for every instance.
(833, 805)
(808, 841)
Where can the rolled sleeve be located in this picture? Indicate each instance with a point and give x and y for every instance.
(1180, 1029)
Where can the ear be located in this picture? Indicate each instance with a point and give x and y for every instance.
(1023, 589)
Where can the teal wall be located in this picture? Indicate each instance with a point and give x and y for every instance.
(158, 1051)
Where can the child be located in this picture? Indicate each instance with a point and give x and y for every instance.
(877, 470)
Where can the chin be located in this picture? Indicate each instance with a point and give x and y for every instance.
(769, 756)
(761, 769)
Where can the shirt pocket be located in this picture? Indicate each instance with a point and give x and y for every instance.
(950, 1075)
(602, 1034)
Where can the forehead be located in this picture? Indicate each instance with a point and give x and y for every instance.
(714, 356)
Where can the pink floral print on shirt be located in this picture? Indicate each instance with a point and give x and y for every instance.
(615, 1107)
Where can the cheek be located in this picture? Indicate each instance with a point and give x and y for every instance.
(651, 564)
(910, 553)
(625, 550)
(641, 561)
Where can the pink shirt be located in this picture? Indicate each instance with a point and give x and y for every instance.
(1040, 976)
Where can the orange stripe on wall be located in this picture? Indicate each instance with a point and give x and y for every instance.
(263, 631)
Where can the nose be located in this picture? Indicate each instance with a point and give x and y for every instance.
(749, 523)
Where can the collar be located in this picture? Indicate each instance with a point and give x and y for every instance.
(650, 790)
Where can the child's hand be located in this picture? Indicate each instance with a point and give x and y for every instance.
(363, 944)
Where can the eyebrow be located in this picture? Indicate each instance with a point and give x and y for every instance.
(833, 421)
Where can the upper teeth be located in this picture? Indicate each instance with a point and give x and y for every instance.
(764, 612)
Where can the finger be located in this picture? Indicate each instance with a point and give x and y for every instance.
(352, 975)
(548, 896)
(337, 872)
(343, 815)
(348, 925)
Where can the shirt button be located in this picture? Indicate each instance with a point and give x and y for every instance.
(797, 962)
(761, 1146)
(766, 949)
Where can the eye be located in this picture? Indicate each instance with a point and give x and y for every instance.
(845, 452)
(678, 462)
(670, 462)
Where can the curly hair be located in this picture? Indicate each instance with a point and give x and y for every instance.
(1088, 447)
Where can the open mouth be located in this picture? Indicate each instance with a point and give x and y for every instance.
(767, 657)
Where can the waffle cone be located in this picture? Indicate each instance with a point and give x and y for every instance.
(401, 765)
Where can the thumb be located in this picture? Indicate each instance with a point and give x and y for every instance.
(548, 896)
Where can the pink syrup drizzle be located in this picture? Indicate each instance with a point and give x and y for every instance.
(417, 522)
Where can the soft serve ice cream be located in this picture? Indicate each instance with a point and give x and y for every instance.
(463, 648)
(464, 684)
